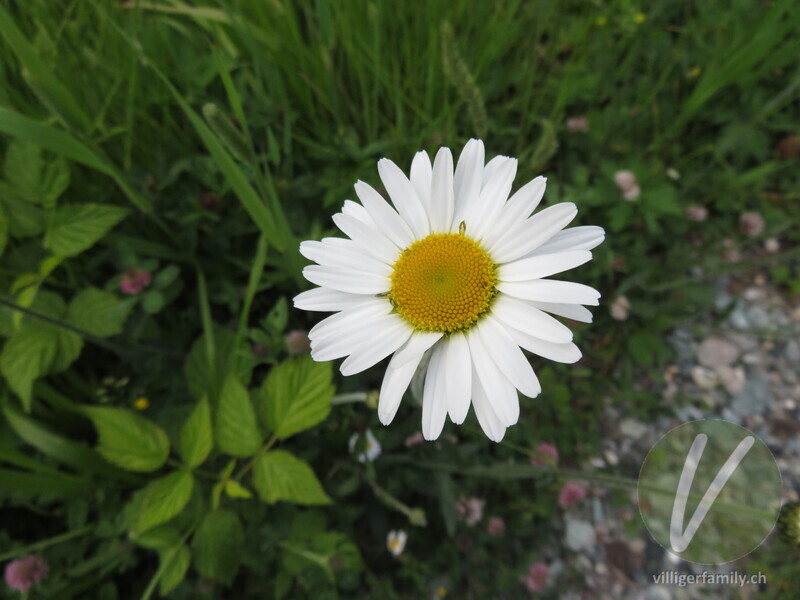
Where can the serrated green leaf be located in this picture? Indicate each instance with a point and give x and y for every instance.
(197, 436)
(217, 546)
(279, 475)
(236, 490)
(69, 348)
(295, 396)
(32, 178)
(158, 538)
(235, 427)
(24, 219)
(174, 563)
(27, 354)
(77, 227)
(128, 440)
(159, 501)
(98, 312)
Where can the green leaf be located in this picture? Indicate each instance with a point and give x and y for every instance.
(54, 445)
(197, 437)
(69, 345)
(217, 546)
(174, 563)
(159, 501)
(77, 227)
(27, 354)
(66, 145)
(236, 429)
(98, 312)
(128, 440)
(31, 178)
(295, 395)
(200, 375)
(279, 475)
(234, 489)
(153, 301)
(158, 538)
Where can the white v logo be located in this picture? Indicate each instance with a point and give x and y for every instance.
(678, 539)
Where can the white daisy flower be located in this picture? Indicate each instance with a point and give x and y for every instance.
(372, 447)
(396, 541)
(455, 271)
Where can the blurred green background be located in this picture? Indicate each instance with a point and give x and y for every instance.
(210, 138)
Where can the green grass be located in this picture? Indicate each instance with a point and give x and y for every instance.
(234, 129)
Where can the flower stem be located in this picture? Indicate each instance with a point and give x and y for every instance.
(42, 544)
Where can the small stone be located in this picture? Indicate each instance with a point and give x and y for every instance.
(759, 317)
(792, 351)
(754, 293)
(732, 379)
(580, 535)
(657, 592)
(717, 352)
(704, 378)
(632, 428)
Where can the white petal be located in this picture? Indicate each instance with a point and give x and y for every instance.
(491, 168)
(442, 194)
(533, 232)
(385, 217)
(328, 300)
(502, 393)
(468, 180)
(576, 312)
(355, 210)
(367, 237)
(526, 317)
(397, 377)
(563, 353)
(353, 340)
(404, 197)
(456, 363)
(434, 404)
(383, 343)
(347, 280)
(544, 265)
(493, 196)
(343, 253)
(508, 357)
(488, 419)
(416, 346)
(585, 237)
(421, 177)
(516, 210)
(551, 290)
(350, 317)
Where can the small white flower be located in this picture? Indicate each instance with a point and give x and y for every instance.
(396, 541)
(456, 270)
(372, 448)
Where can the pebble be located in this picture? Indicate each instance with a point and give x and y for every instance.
(733, 379)
(633, 428)
(792, 351)
(705, 379)
(717, 352)
(580, 535)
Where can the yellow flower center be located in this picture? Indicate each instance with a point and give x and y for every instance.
(444, 282)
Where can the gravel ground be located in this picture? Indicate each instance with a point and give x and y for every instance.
(743, 370)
